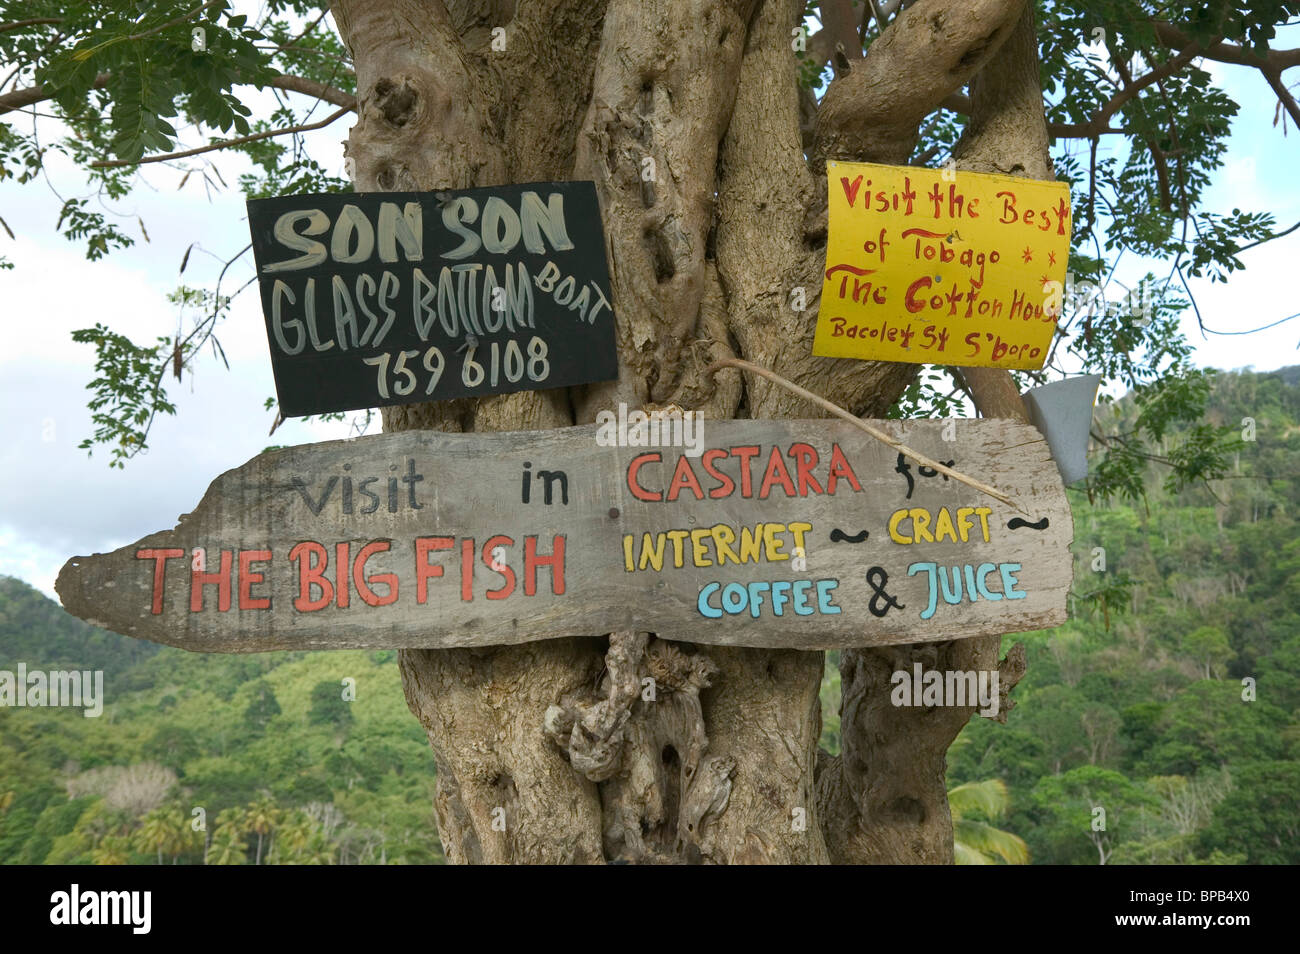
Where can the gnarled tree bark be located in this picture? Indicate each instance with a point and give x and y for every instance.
(687, 116)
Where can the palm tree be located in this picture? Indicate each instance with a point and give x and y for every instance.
(291, 840)
(228, 845)
(319, 851)
(975, 841)
(111, 850)
(153, 833)
(263, 816)
(163, 831)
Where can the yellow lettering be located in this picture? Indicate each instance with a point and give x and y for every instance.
(798, 528)
(749, 543)
(723, 537)
(921, 524)
(677, 536)
(771, 545)
(651, 555)
(943, 526)
(699, 553)
(898, 517)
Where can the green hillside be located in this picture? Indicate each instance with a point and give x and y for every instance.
(1172, 698)
(1137, 707)
(264, 744)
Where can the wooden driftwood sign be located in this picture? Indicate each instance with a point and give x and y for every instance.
(797, 534)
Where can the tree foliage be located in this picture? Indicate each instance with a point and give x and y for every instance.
(1180, 718)
(1139, 126)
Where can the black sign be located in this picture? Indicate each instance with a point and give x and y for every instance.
(402, 297)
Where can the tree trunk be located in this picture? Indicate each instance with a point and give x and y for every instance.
(555, 751)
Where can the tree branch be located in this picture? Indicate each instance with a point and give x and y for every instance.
(311, 26)
(1284, 96)
(840, 26)
(1271, 63)
(310, 87)
(34, 21)
(960, 103)
(1100, 122)
(821, 45)
(223, 144)
(176, 22)
(1278, 60)
(927, 52)
(29, 95)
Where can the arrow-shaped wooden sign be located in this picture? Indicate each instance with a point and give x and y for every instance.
(796, 534)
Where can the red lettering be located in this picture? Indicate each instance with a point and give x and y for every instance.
(160, 558)
(684, 479)
(844, 282)
(221, 579)
(840, 468)
(467, 570)
(341, 574)
(423, 569)
(745, 454)
(909, 302)
(1008, 208)
(247, 577)
(805, 459)
(776, 473)
(956, 201)
(505, 571)
(311, 572)
(851, 191)
(364, 583)
(725, 484)
(639, 492)
(935, 195)
(555, 561)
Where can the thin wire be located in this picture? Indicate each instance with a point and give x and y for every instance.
(1252, 330)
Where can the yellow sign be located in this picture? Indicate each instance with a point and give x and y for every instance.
(945, 267)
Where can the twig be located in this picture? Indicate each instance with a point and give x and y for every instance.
(1267, 238)
(34, 21)
(171, 23)
(1100, 122)
(1284, 96)
(864, 426)
(311, 26)
(223, 144)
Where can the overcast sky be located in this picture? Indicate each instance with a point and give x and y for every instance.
(56, 502)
